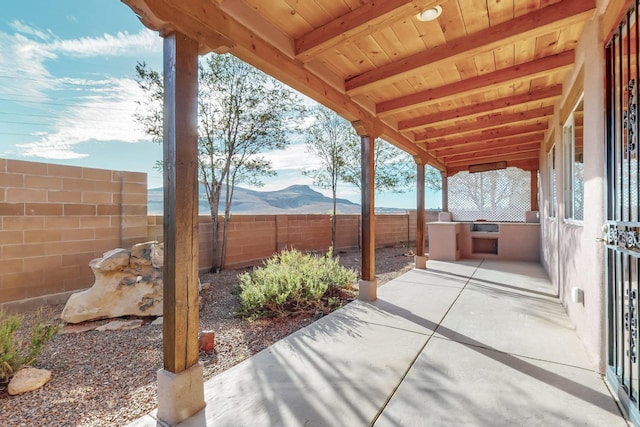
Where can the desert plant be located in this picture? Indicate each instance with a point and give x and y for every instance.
(16, 352)
(292, 282)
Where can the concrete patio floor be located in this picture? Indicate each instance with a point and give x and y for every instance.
(472, 343)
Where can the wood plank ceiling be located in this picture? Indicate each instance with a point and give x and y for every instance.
(476, 85)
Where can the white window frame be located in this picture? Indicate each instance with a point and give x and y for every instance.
(569, 142)
(551, 165)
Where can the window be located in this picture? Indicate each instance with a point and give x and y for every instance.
(551, 163)
(574, 165)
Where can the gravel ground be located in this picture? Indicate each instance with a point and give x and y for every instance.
(109, 378)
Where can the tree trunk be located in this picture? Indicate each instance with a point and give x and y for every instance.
(225, 229)
(227, 217)
(333, 224)
(215, 224)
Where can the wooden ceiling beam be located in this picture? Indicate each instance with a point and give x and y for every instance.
(543, 21)
(527, 164)
(163, 16)
(201, 19)
(505, 77)
(486, 123)
(495, 158)
(479, 156)
(360, 22)
(470, 111)
(497, 145)
(493, 134)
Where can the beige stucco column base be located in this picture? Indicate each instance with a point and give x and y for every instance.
(367, 290)
(421, 262)
(180, 395)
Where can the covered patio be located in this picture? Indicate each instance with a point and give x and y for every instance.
(464, 86)
(470, 343)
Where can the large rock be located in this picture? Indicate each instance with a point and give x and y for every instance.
(120, 325)
(28, 379)
(127, 283)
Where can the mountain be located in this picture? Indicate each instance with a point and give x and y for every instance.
(291, 200)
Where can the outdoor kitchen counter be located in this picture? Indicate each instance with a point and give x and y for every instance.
(449, 241)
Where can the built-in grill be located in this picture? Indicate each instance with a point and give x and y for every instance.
(485, 226)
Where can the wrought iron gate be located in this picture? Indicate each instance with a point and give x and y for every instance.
(623, 212)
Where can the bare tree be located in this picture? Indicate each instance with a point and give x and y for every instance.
(242, 114)
(327, 138)
(394, 169)
(432, 178)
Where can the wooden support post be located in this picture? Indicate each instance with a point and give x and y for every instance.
(368, 210)
(420, 258)
(367, 285)
(534, 190)
(445, 192)
(180, 203)
(180, 384)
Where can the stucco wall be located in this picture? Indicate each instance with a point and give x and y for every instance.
(570, 252)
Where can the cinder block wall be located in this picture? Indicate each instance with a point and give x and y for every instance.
(393, 229)
(347, 232)
(253, 238)
(54, 219)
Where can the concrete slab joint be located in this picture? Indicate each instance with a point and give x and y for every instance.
(421, 262)
(367, 290)
(180, 395)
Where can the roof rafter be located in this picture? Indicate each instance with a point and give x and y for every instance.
(481, 108)
(505, 152)
(542, 21)
(493, 134)
(528, 70)
(486, 123)
(487, 105)
(358, 23)
(472, 147)
(158, 16)
(527, 164)
(197, 17)
(495, 158)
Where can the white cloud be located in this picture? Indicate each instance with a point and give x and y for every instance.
(102, 108)
(292, 157)
(54, 147)
(30, 31)
(24, 54)
(107, 116)
(122, 43)
(22, 68)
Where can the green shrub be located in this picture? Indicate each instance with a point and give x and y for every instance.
(16, 352)
(292, 282)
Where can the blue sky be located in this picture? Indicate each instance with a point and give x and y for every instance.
(67, 93)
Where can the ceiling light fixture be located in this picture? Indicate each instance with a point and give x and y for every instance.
(430, 14)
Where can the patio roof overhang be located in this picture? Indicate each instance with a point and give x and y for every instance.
(476, 85)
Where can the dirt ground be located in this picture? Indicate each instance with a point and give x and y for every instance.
(109, 378)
